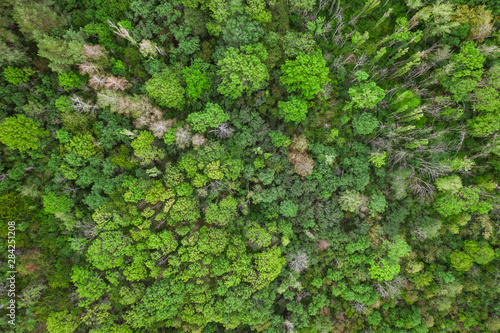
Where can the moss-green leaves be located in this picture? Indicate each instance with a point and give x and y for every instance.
(307, 74)
(21, 133)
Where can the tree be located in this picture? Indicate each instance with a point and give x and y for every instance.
(479, 20)
(306, 5)
(469, 69)
(108, 250)
(365, 123)
(288, 208)
(279, 139)
(461, 261)
(257, 10)
(89, 285)
(82, 145)
(212, 116)
(241, 30)
(365, 94)
(294, 110)
(439, 19)
(242, 70)
(165, 89)
(197, 79)
(223, 213)
(268, 265)
(54, 204)
(307, 74)
(21, 133)
(62, 52)
(295, 43)
(350, 200)
(258, 235)
(36, 19)
(378, 159)
(17, 75)
(482, 252)
(62, 322)
(451, 184)
(143, 148)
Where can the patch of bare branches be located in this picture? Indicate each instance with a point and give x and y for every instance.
(93, 52)
(223, 130)
(117, 83)
(299, 262)
(81, 106)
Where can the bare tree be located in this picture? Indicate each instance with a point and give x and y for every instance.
(159, 128)
(87, 227)
(88, 68)
(93, 52)
(183, 137)
(117, 83)
(288, 325)
(419, 233)
(223, 131)
(122, 32)
(360, 308)
(81, 106)
(299, 262)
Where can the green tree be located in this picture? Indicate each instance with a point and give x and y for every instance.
(143, 148)
(293, 110)
(89, 285)
(365, 94)
(36, 19)
(82, 145)
(71, 80)
(451, 184)
(469, 69)
(212, 116)
(63, 52)
(295, 43)
(279, 139)
(243, 70)
(241, 30)
(365, 123)
(288, 208)
(268, 265)
(350, 200)
(17, 75)
(383, 270)
(461, 261)
(222, 214)
(257, 10)
(306, 74)
(197, 79)
(165, 89)
(62, 322)
(108, 250)
(21, 133)
(54, 204)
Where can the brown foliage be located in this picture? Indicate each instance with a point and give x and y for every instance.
(297, 156)
(303, 164)
(299, 143)
(323, 244)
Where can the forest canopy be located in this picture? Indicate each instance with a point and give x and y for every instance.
(205, 166)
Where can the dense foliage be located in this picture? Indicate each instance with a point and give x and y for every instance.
(251, 166)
